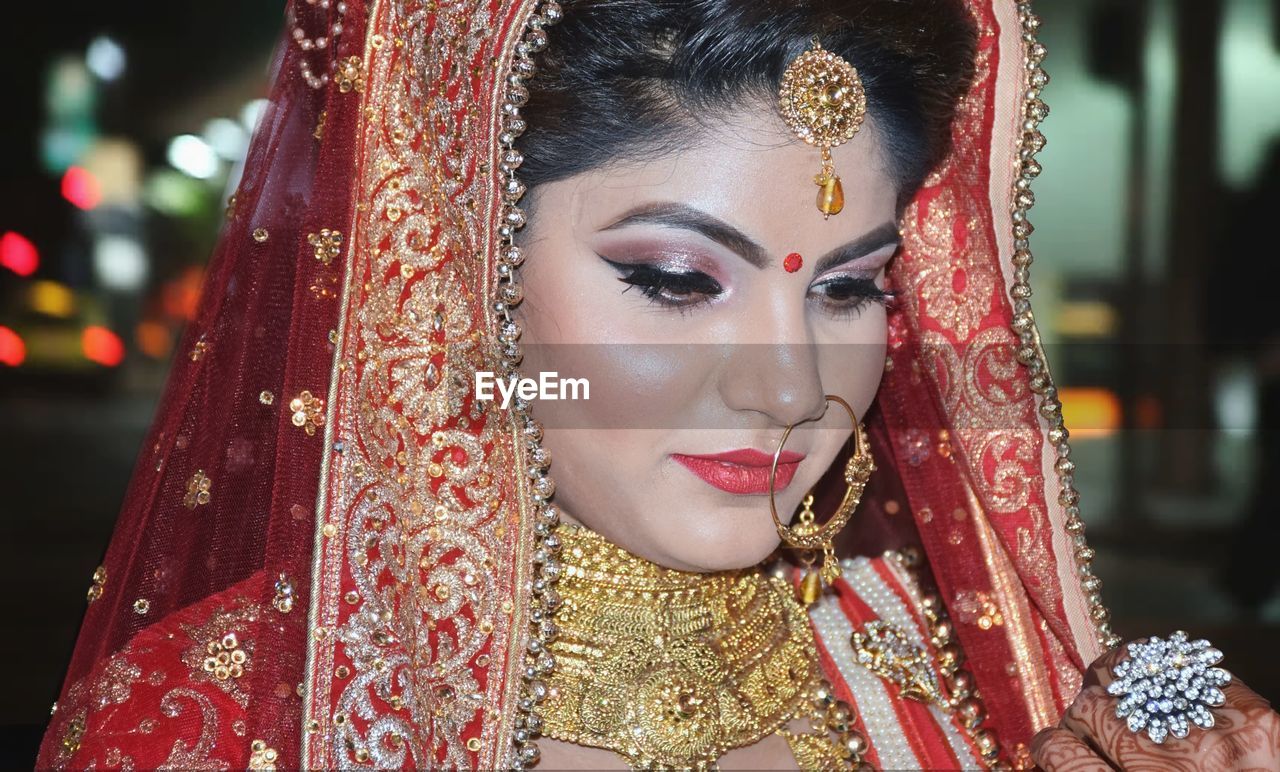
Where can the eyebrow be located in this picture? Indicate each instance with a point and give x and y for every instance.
(685, 217)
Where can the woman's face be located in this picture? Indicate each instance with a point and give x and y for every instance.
(663, 285)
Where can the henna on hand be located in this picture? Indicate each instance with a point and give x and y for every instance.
(1057, 750)
(1246, 735)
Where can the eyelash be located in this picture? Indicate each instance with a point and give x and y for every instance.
(864, 291)
(656, 284)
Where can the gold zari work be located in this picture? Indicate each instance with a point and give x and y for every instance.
(673, 669)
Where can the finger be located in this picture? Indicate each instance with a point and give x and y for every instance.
(1247, 735)
(1091, 719)
(1057, 750)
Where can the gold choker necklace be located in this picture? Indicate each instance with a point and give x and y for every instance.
(674, 668)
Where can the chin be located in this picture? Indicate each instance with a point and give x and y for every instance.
(723, 540)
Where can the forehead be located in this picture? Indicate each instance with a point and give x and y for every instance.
(745, 168)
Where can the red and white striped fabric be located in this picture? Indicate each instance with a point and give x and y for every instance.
(903, 733)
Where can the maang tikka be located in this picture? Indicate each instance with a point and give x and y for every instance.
(823, 103)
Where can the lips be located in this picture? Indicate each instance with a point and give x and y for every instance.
(744, 471)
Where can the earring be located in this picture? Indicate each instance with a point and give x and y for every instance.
(806, 535)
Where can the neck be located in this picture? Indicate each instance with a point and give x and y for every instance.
(669, 666)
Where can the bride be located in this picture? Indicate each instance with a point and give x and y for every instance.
(807, 503)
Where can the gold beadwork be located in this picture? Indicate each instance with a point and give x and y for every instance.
(199, 349)
(283, 601)
(73, 734)
(327, 244)
(308, 412)
(823, 103)
(260, 235)
(262, 757)
(225, 657)
(198, 490)
(675, 668)
(98, 582)
(1031, 351)
(350, 75)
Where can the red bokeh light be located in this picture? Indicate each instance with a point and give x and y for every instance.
(12, 349)
(81, 188)
(102, 346)
(18, 254)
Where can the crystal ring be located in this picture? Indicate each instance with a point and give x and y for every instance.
(1166, 685)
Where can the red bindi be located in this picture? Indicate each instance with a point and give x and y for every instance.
(792, 262)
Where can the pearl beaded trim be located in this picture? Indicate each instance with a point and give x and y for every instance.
(320, 42)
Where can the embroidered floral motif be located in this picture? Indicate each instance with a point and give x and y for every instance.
(219, 653)
(196, 757)
(114, 685)
(308, 412)
(410, 343)
(226, 659)
(327, 244)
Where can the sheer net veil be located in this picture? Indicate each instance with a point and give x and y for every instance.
(318, 444)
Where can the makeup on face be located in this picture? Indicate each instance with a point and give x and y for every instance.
(744, 471)
(669, 279)
(681, 257)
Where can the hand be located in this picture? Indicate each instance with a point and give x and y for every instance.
(1245, 736)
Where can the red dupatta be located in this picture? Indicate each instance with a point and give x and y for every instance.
(318, 450)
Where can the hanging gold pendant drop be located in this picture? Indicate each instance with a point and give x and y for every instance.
(823, 103)
(830, 191)
(814, 578)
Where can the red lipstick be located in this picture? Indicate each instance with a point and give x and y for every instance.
(743, 471)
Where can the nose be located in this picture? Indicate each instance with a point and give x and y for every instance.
(779, 380)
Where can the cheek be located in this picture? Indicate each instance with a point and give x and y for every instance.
(851, 361)
(851, 370)
(578, 323)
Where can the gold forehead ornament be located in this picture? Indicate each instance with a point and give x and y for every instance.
(823, 102)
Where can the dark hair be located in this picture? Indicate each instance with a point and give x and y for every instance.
(628, 79)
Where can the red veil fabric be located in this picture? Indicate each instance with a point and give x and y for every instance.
(321, 486)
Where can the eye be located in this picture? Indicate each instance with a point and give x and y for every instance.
(676, 289)
(845, 296)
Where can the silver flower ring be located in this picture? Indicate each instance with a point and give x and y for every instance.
(1166, 685)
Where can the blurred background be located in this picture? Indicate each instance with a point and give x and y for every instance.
(125, 125)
